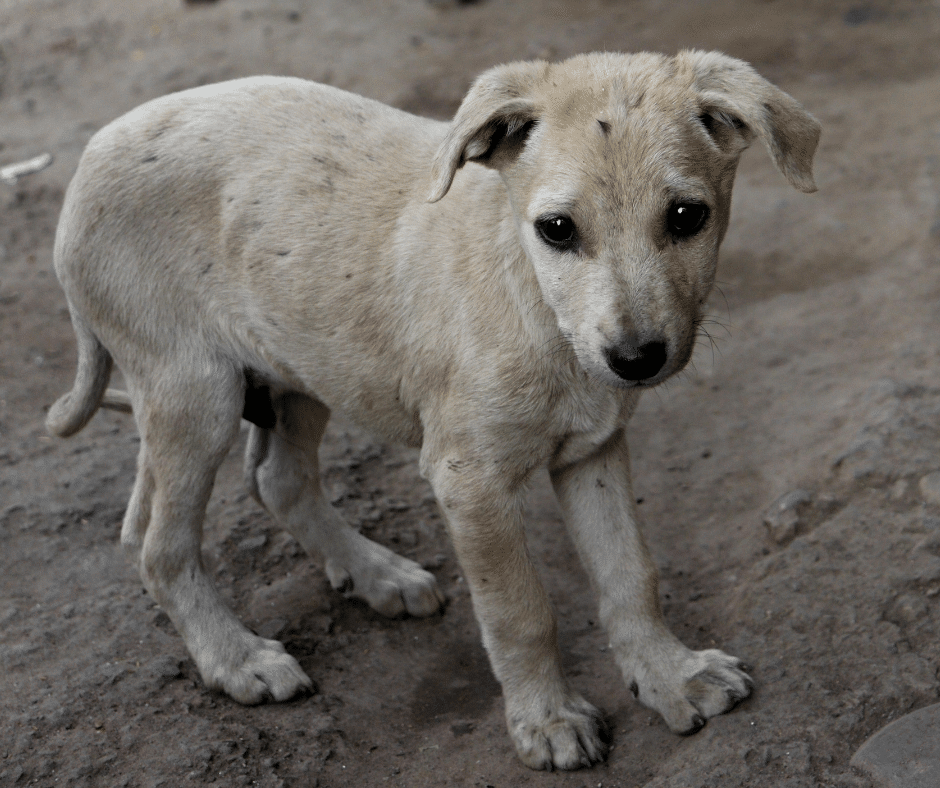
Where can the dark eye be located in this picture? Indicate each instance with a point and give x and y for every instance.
(557, 231)
(685, 219)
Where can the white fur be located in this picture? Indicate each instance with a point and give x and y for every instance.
(274, 232)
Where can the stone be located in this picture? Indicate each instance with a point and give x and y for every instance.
(930, 488)
(905, 753)
(783, 516)
(164, 667)
(253, 544)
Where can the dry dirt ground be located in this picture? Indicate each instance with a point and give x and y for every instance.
(824, 385)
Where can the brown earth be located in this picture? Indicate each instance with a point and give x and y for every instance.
(824, 378)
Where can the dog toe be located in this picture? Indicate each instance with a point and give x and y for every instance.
(706, 684)
(568, 738)
(389, 584)
(267, 672)
(422, 596)
(720, 686)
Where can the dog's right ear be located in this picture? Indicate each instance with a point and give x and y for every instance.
(735, 98)
(490, 125)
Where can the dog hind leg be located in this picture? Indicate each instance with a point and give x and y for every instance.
(282, 472)
(139, 508)
(183, 444)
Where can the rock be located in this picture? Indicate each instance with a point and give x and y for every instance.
(253, 544)
(930, 488)
(165, 666)
(783, 517)
(907, 609)
(905, 753)
(899, 490)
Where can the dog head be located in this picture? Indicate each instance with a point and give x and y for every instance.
(619, 170)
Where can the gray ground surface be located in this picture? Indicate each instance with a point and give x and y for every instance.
(826, 379)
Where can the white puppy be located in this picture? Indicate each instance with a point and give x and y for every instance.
(274, 248)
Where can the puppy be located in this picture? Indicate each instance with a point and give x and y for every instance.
(497, 291)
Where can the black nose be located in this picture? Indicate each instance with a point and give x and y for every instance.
(637, 363)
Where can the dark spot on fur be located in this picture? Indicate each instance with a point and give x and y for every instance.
(605, 127)
(147, 159)
(330, 164)
(634, 689)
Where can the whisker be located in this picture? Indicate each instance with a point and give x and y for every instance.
(713, 322)
(724, 297)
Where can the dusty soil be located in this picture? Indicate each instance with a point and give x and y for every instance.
(824, 378)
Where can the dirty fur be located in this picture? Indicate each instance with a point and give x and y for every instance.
(278, 249)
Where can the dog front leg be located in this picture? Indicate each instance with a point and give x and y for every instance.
(551, 725)
(686, 687)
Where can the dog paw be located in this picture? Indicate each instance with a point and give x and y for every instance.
(265, 671)
(702, 685)
(569, 737)
(389, 584)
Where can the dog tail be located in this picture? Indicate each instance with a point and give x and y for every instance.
(74, 410)
(115, 399)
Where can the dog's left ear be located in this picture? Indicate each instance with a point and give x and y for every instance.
(735, 98)
(491, 124)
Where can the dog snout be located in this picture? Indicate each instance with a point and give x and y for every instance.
(636, 361)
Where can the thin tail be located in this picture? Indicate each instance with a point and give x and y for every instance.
(74, 410)
(115, 399)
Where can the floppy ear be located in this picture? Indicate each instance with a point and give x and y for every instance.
(737, 102)
(490, 125)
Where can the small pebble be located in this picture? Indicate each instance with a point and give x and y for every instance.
(253, 543)
(930, 488)
(783, 517)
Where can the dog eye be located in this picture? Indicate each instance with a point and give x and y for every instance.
(557, 231)
(685, 219)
